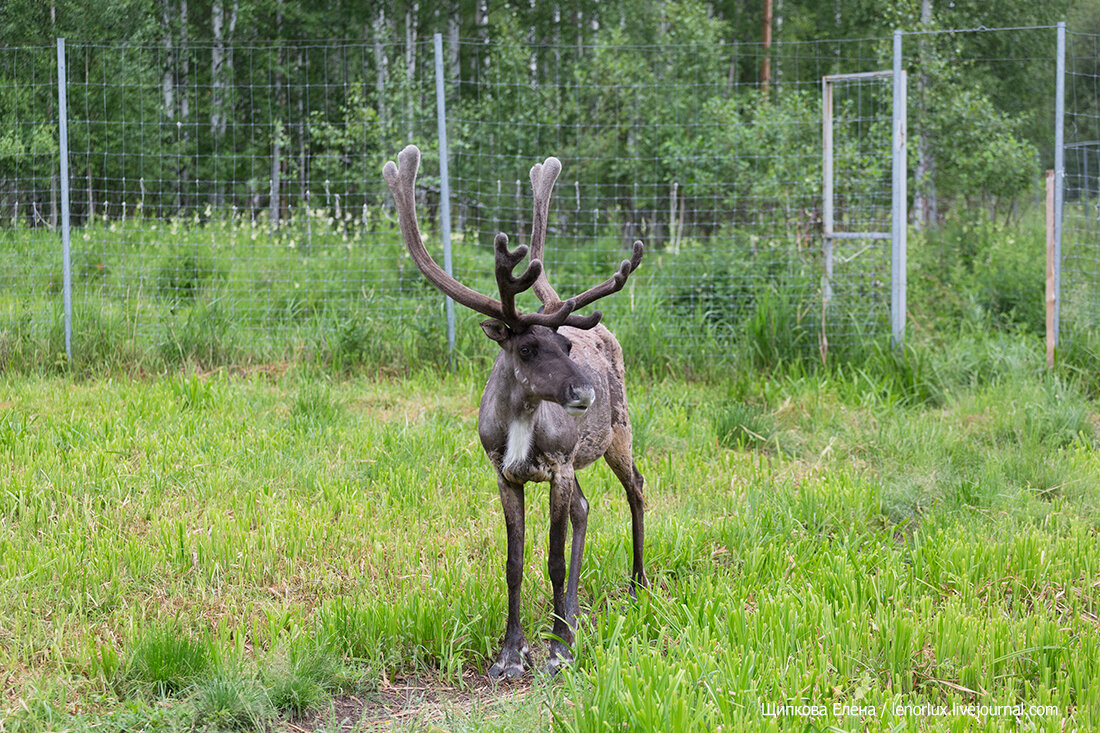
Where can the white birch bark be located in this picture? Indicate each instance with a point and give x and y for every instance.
(410, 63)
(381, 63)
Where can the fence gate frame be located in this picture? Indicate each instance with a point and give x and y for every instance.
(898, 205)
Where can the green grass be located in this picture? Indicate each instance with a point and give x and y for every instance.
(246, 549)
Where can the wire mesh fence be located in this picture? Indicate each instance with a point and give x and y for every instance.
(227, 198)
(976, 165)
(232, 196)
(682, 147)
(30, 255)
(1081, 219)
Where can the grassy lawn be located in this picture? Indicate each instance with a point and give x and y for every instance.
(282, 549)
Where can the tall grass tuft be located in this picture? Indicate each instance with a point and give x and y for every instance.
(301, 679)
(228, 700)
(743, 425)
(314, 409)
(166, 660)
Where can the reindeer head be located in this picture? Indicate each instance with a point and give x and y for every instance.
(531, 345)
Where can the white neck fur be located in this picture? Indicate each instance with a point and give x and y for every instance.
(520, 432)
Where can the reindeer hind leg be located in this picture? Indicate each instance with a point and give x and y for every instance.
(619, 457)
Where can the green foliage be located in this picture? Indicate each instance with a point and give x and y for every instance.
(353, 136)
(185, 276)
(192, 392)
(1079, 354)
(907, 375)
(28, 150)
(314, 408)
(300, 679)
(974, 270)
(757, 158)
(775, 332)
(976, 147)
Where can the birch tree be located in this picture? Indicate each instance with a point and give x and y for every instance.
(222, 25)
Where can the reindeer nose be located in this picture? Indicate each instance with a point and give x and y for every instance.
(579, 399)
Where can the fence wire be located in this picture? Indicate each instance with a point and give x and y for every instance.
(976, 164)
(237, 193)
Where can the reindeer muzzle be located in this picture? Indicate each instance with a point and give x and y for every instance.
(579, 399)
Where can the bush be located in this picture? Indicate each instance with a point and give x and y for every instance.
(976, 264)
(184, 276)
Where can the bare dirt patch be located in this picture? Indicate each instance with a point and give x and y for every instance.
(415, 704)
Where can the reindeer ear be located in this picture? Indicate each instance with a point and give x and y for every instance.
(496, 330)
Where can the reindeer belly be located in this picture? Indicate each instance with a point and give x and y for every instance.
(534, 467)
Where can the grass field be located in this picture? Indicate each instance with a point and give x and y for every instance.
(284, 549)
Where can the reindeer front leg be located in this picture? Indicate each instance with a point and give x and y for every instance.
(565, 601)
(515, 653)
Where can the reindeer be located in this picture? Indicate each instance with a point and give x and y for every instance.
(555, 402)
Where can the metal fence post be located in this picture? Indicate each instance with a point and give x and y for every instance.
(826, 211)
(827, 183)
(899, 220)
(444, 186)
(1059, 171)
(66, 242)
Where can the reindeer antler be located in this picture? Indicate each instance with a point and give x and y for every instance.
(401, 181)
(543, 176)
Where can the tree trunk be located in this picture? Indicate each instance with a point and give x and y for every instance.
(410, 64)
(53, 201)
(454, 60)
(167, 82)
(276, 166)
(88, 172)
(304, 182)
(221, 71)
(277, 131)
(381, 62)
(765, 63)
(924, 194)
(184, 105)
(454, 64)
(481, 22)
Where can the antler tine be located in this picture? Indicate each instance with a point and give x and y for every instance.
(543, 177)
(401, 181)
(555, 312)
(510, 286)
(614, 283)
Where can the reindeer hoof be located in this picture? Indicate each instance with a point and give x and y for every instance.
(501, 671)
(510, 665)
(557, 664)
(639, 580)
(560, 658)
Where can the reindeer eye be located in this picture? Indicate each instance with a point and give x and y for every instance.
(526, 352)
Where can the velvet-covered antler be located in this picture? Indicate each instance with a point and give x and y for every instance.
(401, 180)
